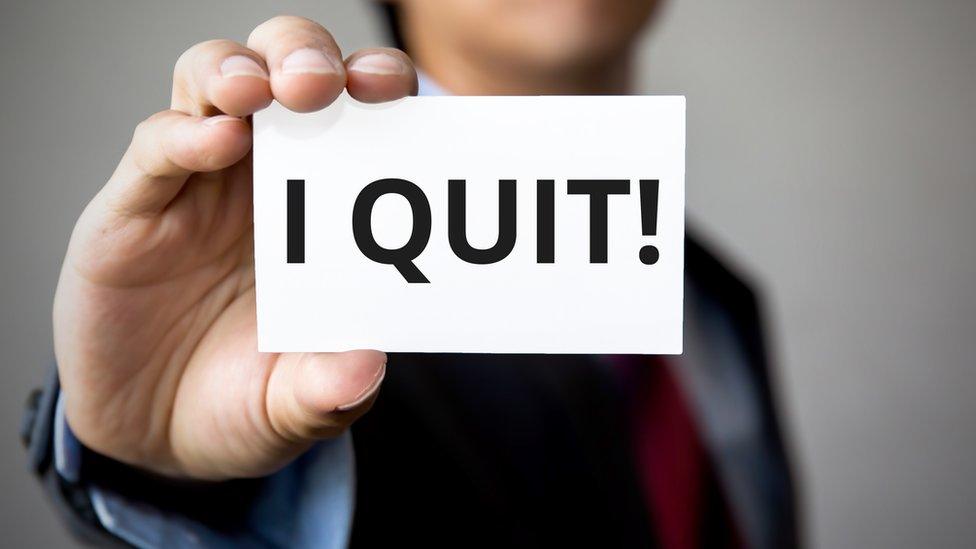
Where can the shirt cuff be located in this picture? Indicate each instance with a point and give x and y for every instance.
(307, 504)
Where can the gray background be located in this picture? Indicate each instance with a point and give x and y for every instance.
(832, 152)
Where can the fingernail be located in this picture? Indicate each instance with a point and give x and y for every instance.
(378, 63)
(220, 119)
(367, 393)
(309, 61)
(241, 65)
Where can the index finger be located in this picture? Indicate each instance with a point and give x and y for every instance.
(304, 60)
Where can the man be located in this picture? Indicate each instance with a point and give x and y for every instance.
(165, 426)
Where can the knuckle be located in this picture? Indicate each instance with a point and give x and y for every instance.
(149, 126)
(281, 23)
(186, 58)
(148, 145)
(285, 20)
(194, 52)
(216, 45)
(314, 26)
(142, 129)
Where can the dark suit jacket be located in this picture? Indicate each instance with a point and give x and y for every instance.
(528, 450)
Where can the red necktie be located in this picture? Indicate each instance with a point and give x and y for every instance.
(674, 468)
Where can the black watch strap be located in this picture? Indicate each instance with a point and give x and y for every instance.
(37, 423)
(71, 500)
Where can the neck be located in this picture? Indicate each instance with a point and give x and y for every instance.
(461, 75)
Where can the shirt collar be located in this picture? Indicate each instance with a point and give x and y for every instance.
(427, 86)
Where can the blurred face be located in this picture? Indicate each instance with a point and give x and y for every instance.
(536, 34)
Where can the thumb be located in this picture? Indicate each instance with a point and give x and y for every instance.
(318, 395)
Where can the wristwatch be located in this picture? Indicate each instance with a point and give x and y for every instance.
(70, 497)
(110, 503)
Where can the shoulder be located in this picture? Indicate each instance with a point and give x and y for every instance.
(717, 277)
(724, 287)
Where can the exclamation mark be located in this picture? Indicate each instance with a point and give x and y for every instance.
(648, 200)
(296, 221)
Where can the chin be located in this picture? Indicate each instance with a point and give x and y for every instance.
(564, 38)
(567, 52)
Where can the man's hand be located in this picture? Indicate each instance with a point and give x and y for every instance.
(154, 320)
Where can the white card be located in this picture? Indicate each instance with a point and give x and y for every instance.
(357, 251)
